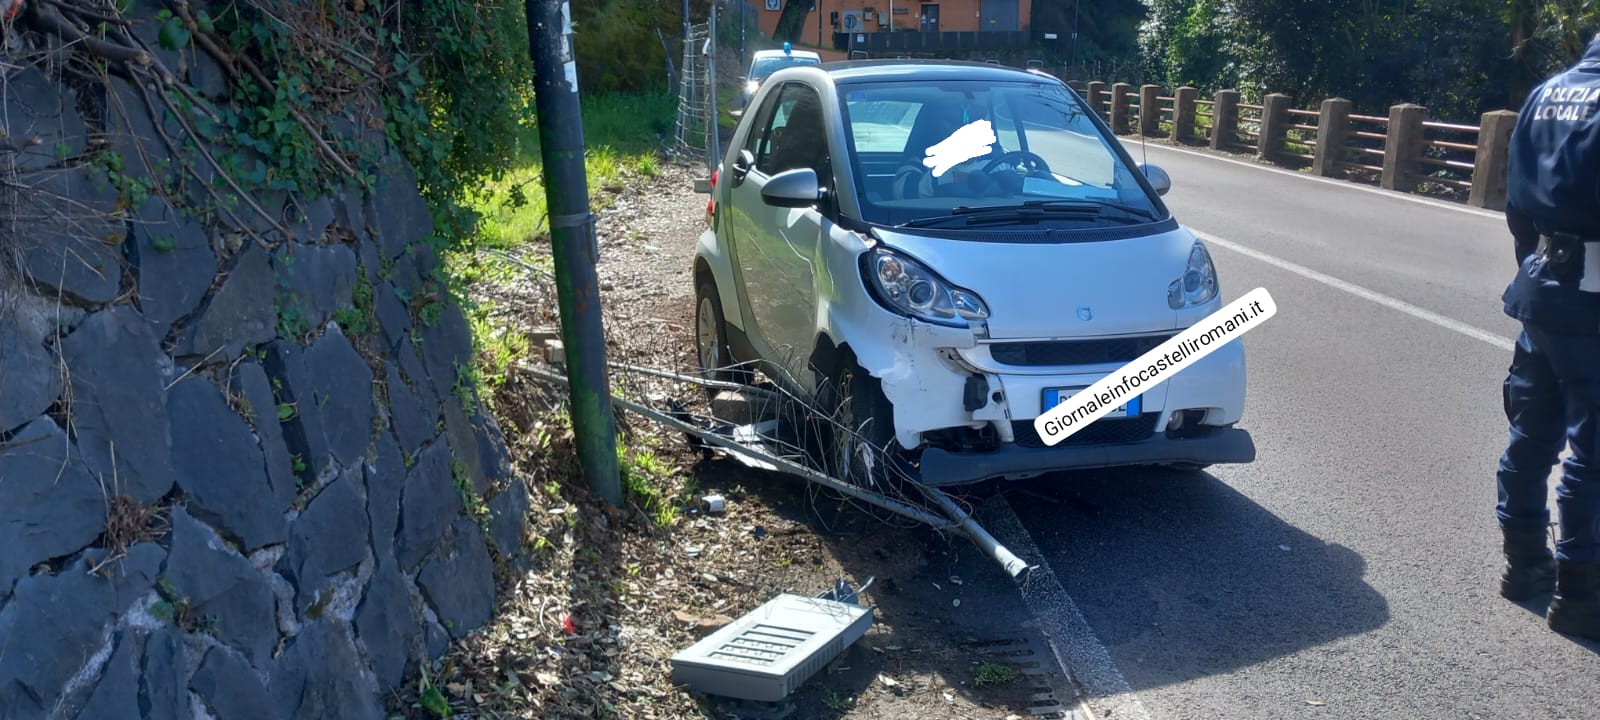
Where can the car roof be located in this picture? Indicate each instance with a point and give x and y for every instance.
(859, 71)
(779, 53)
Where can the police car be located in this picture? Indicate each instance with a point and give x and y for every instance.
(767, 62)
(937, 253)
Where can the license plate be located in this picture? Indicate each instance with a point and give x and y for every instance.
(1056, 396)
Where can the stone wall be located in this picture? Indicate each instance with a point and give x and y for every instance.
(242, 469)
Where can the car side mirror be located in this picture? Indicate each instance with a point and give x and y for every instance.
(741, 166)
(796, 188)
(1159, 179)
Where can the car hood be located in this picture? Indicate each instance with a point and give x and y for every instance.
(1041, 289)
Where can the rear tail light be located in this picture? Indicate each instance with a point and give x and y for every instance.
(711, 205)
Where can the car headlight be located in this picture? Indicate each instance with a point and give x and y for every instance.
(1198, 283)
(910, 289)
(750, 87)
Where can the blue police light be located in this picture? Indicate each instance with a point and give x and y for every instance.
(787, 49)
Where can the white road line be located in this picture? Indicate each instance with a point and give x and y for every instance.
(1333, 182)
(1392, 303)
(1077, 650)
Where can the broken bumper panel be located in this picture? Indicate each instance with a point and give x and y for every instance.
(1222, 445)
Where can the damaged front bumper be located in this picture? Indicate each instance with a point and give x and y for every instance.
(1220, 445)
(971, 416)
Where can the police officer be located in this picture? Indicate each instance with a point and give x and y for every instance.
(1552, 396)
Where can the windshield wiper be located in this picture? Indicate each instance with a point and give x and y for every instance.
(1031, 210)
(1006, 213)
(1059, 206)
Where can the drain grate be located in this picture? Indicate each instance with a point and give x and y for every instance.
(1038, 674)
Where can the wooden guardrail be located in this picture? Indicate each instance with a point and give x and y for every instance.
(1403, 150)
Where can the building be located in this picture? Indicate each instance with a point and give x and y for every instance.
(832, 22)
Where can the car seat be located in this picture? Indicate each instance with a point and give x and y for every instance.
(934, 123)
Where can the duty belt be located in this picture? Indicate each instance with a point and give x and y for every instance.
(1562, 248)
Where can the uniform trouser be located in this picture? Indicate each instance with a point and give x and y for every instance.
(1552, 399)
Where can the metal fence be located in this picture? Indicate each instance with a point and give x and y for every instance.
(696, 137)
(1404, 151)
(913, 40)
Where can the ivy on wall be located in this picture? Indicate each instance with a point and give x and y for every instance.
(466, 89)
(318, 89)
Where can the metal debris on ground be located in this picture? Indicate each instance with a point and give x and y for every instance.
(772, 650)
(773, 445)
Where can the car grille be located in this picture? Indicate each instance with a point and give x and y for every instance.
(1105, 431)
(1098, 351)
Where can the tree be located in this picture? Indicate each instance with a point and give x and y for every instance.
(617, 44)
(1548, 35)
(792, 22)
(1107, 29)
(1182, 43)
(1458, 57)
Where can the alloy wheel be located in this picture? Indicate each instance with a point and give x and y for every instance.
(844, 447)
(706, 337)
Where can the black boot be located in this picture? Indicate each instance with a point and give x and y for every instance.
(1576, 607)
(1530, 567)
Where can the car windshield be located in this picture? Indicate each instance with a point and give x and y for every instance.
(762, 67)
(923, 150)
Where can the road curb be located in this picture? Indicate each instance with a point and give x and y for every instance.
(1078, 652)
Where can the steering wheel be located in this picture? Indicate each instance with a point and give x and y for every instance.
(1028, 162)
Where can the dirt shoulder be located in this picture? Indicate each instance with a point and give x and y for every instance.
(589, 619)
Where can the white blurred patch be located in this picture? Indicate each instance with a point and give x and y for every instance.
(972, 140)
(1591, 268)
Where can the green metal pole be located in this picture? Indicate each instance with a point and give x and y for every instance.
(573, 242)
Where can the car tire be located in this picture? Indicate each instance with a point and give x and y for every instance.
(711, 338)
(854, 399)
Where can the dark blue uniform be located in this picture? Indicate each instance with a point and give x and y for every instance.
(1552, 396)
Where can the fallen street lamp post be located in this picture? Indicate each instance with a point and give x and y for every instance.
(943, 515)
(573, 243)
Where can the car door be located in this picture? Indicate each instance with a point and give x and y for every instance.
(776, 247)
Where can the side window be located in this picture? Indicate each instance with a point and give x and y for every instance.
(774, 116)
(796, 136)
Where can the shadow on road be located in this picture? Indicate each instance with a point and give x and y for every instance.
(1181, 576)
(1539, 606)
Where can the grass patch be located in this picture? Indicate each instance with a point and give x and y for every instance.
(836, 702)
(728, 92)
(652, 484)
(472, 504)
(991, 673)
(620, 138)
(499, 347)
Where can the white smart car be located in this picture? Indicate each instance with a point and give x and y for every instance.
(937, 253)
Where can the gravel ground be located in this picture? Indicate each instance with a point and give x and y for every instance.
(588, 623)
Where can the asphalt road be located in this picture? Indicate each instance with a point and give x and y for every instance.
(1351, 571)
